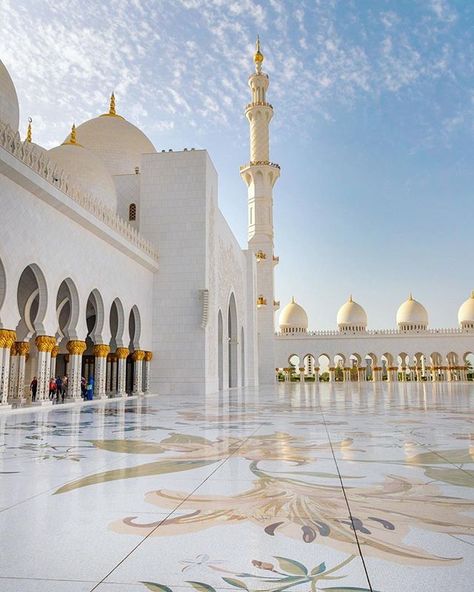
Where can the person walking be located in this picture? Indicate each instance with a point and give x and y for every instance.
(65, 385)
(33, 388)
(90, 389)
(59, 389)
(52, 389)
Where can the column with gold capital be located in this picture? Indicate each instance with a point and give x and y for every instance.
(138, 356)
(112, 374)
(76, 349)
(54, 355)
(7, 339)
(13, 380)
(147, 371)
(45, 344)
(101, 352)
(23, 348)
(122, 355)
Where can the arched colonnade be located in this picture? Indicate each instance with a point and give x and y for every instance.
(401, 367)
(91, 340)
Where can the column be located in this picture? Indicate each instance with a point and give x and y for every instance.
(332, 373)
(434, 373)
(147, 371)
(76, 349)
(13, 383)
(45, 344)
(347, 374)
(301, 375)
(138, 356)
(23, 348)
(316, 374)
(122, 354)
(54, 355)
(361, 373)
(100, 352)
(7, 339)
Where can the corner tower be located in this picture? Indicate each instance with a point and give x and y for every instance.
(260, 175)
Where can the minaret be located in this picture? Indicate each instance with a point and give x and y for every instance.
(260, 176)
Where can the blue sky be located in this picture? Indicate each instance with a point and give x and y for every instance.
(373, 127)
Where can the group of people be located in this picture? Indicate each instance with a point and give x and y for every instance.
(58, 389)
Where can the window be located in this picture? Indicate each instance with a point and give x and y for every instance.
(132, 212)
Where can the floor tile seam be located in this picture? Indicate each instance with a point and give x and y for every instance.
(358, 544)
(145, 538)
(122, 456)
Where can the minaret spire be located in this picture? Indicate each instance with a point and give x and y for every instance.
(260, 175)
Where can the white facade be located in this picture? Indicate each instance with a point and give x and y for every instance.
(116, 264)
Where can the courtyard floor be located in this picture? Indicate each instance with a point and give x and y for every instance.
(338, 487)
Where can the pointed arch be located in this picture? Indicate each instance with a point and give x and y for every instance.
(134, 328)
(95, 316)
(233, 340)
(117, 324)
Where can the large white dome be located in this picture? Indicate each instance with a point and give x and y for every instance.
(86, 171)
(9, 108)
(117, 142)
(351, 317)
(412, 315)
(293, 318)
(466, 313)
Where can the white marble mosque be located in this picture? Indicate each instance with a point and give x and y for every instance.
(169, 306)
(190, 467)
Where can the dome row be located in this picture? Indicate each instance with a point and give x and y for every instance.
(411, 316)
(98, 149)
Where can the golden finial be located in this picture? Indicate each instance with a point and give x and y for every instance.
(350, 297)
(472, 294)
(258, 56)
(72, 139)
(28, 131)
(410, 297)
(112, 105)
(292, 300)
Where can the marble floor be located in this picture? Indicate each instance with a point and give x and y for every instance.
(341, 487)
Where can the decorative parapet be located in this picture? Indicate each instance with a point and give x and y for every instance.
(260, 162)
(58, 178)
(258, 104)
(372, 332)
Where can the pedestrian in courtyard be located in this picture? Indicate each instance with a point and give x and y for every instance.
(33, 388)
(59, 389)
(90, 389)
(83, 388)
(52, 389)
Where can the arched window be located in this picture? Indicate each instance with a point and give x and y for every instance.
(132, 212)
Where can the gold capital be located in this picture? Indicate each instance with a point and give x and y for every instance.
(7, 338)
(23, 348)
(55, 351)
(148, 356)
(76, 348)
(122, 353)
(45, 343)
(101, 350)
(138, 355)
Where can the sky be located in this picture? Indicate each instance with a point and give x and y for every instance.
(373, 125)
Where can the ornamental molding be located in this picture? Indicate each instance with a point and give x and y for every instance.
(28, 154)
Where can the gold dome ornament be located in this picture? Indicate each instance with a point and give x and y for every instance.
(28, 131)
(112, 109)
(258, 56)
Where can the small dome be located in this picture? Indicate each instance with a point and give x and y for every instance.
(9, 108)
(466, 313)
(117, 142)
(86, 171)
(293, 318)
(351, 317)
(412, 315)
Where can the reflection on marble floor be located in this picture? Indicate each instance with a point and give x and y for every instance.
(296, 487)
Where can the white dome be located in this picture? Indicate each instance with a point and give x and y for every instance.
(412, 315)
(293, 318)
(466, 312)
(351, 316)
(86, 171)
(9, 108)
(117, 142)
